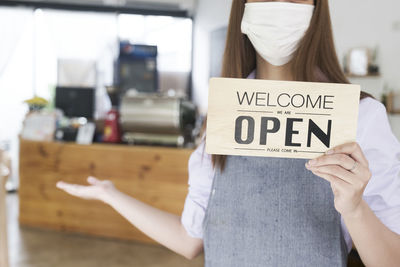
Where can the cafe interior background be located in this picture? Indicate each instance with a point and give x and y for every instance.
(118, 89)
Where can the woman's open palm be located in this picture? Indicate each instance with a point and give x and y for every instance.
(96, 190)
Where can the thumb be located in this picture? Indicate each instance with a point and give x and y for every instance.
(92, 180)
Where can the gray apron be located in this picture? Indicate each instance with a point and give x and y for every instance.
(271, 212)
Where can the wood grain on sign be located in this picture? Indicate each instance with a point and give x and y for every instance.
(252, 117)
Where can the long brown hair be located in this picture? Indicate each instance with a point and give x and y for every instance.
(314, 61)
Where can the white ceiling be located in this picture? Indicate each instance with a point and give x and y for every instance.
(166, 4)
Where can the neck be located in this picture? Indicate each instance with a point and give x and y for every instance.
(266, 71)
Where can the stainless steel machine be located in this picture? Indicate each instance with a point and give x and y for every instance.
(156, 119)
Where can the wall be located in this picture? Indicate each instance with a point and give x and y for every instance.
(210, 16)
(370, 23)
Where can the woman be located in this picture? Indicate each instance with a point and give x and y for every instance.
(250, 211)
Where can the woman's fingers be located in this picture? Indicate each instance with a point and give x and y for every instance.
(337, 184)
(77, 190)
(342, 160)
(353, 149)
(93, 181)
(346, 168)
(97, 189)
(337, 171)
(62, 185)
(341, 165)
(328, 177)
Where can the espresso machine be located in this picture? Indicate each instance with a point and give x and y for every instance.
(148, 116)
(156, 119)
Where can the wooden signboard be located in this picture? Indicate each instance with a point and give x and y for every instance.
(252, 117)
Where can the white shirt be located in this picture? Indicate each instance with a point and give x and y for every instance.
(379, 145)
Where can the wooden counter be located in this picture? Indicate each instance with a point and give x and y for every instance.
(155, 175)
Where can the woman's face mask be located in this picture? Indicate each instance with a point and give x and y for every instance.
(276, 28)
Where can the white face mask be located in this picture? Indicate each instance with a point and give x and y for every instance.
(276, 28)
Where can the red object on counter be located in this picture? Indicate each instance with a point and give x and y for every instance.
(112, 132)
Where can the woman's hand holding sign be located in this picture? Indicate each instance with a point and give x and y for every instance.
(346, 168)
